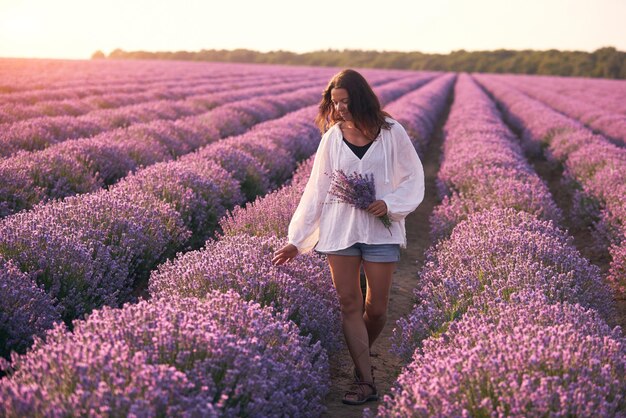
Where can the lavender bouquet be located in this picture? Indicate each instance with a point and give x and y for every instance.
(357, 190)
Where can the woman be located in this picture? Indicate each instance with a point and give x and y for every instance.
(357, 137)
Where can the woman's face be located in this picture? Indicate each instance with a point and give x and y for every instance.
(340, 99)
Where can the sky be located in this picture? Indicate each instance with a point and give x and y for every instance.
(75, 29)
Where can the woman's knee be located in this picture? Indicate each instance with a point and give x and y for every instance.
(351, 304)
(376, 311)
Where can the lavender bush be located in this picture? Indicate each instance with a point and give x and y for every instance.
(493, 190)
(87, 251)
(253, 178)
(593, 165)
(25, 310)
(301, 289)
(270, 214)
(483, 166)
(199, 190)
(617, 272)
(528, 356)
(171, 357)
(487, 258)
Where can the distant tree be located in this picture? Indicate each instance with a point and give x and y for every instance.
(98, 55)
(119, 54)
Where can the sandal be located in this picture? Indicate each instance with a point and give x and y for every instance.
(359, 397)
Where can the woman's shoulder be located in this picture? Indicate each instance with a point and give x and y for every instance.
(395, 127)
(333, 131)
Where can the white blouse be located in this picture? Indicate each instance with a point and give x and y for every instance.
(322, 222)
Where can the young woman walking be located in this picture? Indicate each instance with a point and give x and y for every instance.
(358, 137)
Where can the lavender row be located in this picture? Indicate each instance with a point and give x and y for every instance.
(219, 357)
(489, 256)
(489, 296)
(595, 169)
(268, 215)
(240, 259)
(99, 245)
(80, 166)
(606, 122)
(29, 81)
(525, 356)
(607, 94)
(85, 165)
(42, 132)
(483, 166)
(132, 95)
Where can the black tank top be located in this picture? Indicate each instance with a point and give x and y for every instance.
(359, 151)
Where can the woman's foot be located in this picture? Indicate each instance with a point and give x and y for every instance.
(364, 392)
(357, 376)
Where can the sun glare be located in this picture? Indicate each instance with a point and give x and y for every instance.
(17, 26)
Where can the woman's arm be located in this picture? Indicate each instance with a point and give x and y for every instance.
(303, 230)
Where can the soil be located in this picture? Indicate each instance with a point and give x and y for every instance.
(387, 365)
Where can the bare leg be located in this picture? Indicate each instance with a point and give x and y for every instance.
(345, 272)
(379, 277)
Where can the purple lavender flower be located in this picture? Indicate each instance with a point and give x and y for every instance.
(357, 190)
(171, 357)
(302, 289)
(25, 310)
(617, 272)
(489, 256)
(89, 250)
(528, 356)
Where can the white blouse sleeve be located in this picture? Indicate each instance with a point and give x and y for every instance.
(408, 174)
(304, 228)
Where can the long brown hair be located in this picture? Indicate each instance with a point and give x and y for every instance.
(363, 104)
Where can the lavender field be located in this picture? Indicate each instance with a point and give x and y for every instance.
(141, 202)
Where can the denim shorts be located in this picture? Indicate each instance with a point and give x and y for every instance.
(378, 253)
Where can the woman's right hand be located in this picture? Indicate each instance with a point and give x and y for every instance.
(285, 254)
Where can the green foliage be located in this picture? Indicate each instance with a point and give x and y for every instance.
(605, 62)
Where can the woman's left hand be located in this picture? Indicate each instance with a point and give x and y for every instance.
(377, 208)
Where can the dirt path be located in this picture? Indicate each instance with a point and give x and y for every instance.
(387, 365)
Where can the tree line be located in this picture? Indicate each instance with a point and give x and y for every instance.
(605, 62)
